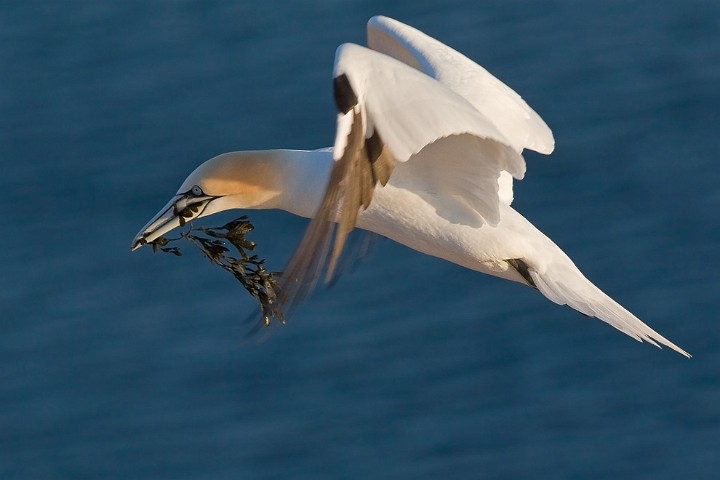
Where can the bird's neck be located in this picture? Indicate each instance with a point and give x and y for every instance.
(304, 177)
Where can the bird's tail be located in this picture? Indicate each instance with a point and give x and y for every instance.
(564, 284)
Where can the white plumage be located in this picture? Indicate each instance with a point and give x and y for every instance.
(426, 148)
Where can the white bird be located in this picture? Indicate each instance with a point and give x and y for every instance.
(426, 149)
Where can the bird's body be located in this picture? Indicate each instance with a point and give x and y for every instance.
(427, 146)
(401, 211)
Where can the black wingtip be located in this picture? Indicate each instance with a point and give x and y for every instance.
(523, 269)
(345, 97)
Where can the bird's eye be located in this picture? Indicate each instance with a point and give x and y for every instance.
(197, 191)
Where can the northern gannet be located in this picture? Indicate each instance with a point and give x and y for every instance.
(427, 145)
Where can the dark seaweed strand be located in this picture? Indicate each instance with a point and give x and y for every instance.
(248, 269)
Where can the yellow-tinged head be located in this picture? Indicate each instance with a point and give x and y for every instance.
(251, 177)
(231, 180)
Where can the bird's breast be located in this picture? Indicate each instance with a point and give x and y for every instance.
(410, 219)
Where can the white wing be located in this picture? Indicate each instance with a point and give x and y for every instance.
(410, 109)
(562, 283)
(519, 123)
(390, 112)
(506, 109)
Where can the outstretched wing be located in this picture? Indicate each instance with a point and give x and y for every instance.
(388, 114)
(506, 109)
(519, 124)
(562, 282)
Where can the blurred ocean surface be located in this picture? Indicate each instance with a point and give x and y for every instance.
(120, 365)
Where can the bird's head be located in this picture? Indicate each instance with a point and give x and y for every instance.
(228, 181)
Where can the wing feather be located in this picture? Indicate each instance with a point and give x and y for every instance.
(519, 123)
(563, 284)
(389, 113)
(364, 163)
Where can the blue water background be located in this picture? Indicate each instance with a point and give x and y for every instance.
(133, 366)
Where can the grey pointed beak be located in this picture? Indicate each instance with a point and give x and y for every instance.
(179, 210)
(164, 221)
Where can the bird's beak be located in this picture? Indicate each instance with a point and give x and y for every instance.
(180, 209)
